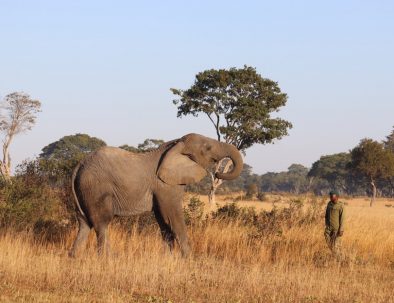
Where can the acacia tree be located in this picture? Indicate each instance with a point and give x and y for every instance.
(239, 104)
(373, 161)
(18, 115)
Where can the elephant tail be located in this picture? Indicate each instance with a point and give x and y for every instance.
(73, 179)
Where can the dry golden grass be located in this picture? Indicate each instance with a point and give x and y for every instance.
(226, 265)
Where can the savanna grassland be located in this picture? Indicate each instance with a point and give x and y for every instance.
(233, 260)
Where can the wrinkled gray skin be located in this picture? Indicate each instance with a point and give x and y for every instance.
(113, 182)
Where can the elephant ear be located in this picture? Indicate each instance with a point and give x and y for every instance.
(177, 169)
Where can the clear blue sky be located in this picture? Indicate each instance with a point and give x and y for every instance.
(105, 68)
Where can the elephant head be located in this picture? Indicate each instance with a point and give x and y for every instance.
(190, 157)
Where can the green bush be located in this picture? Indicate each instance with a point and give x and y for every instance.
(53, 231)
(251, 191)
(29, 198)
(271, 223)
(261, 196)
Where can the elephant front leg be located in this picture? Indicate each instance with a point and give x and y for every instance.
(165, 229)
(179, 228)
(169, 214)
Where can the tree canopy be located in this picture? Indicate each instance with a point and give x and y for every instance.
(70, 147)
(293, 180)
(389, 142)
(58, 159)
(372, 160)
(147, 145)
(239, 104)
(333, 168)
(150, 144)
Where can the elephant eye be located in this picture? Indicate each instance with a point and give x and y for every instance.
(209, 147)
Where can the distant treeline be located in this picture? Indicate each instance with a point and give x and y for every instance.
(299, 179)
(367, 169)
(351, 173)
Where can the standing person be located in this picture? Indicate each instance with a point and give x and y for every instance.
(335, 216)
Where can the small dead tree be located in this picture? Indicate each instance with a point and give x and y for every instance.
(17, 114)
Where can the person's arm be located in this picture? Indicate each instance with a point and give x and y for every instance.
(327, 217)
(341, 221)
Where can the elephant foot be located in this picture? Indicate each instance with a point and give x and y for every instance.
(185, 251)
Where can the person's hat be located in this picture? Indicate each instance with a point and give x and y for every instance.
(334, 192)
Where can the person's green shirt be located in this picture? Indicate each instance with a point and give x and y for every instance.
(335, 216)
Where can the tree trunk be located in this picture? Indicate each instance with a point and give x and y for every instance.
(373, 192)
(310, 183)
(215, 182)
(6, 163)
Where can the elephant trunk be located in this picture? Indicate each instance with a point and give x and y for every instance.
(230, 151)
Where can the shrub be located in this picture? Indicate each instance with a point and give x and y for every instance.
(262, 196)
(29, 198)
(52, 231)
(193, 211)
(251, 191)
(270, 223)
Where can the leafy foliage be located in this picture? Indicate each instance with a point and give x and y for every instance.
(334, 169)
(251, 190)
(294, 180)
(150, 144)
(193, 211)
(58, 159)
(29, 198)
(20, 113)
(239, 103)
(147, 145)
(271, 223)
(130, 148)
(389, 142)
(71, 147)
(371, 159)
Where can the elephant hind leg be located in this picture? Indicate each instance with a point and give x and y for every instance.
(102, 240)
(103, 216)
(82, 236)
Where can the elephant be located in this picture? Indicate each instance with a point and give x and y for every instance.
(113, 182)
